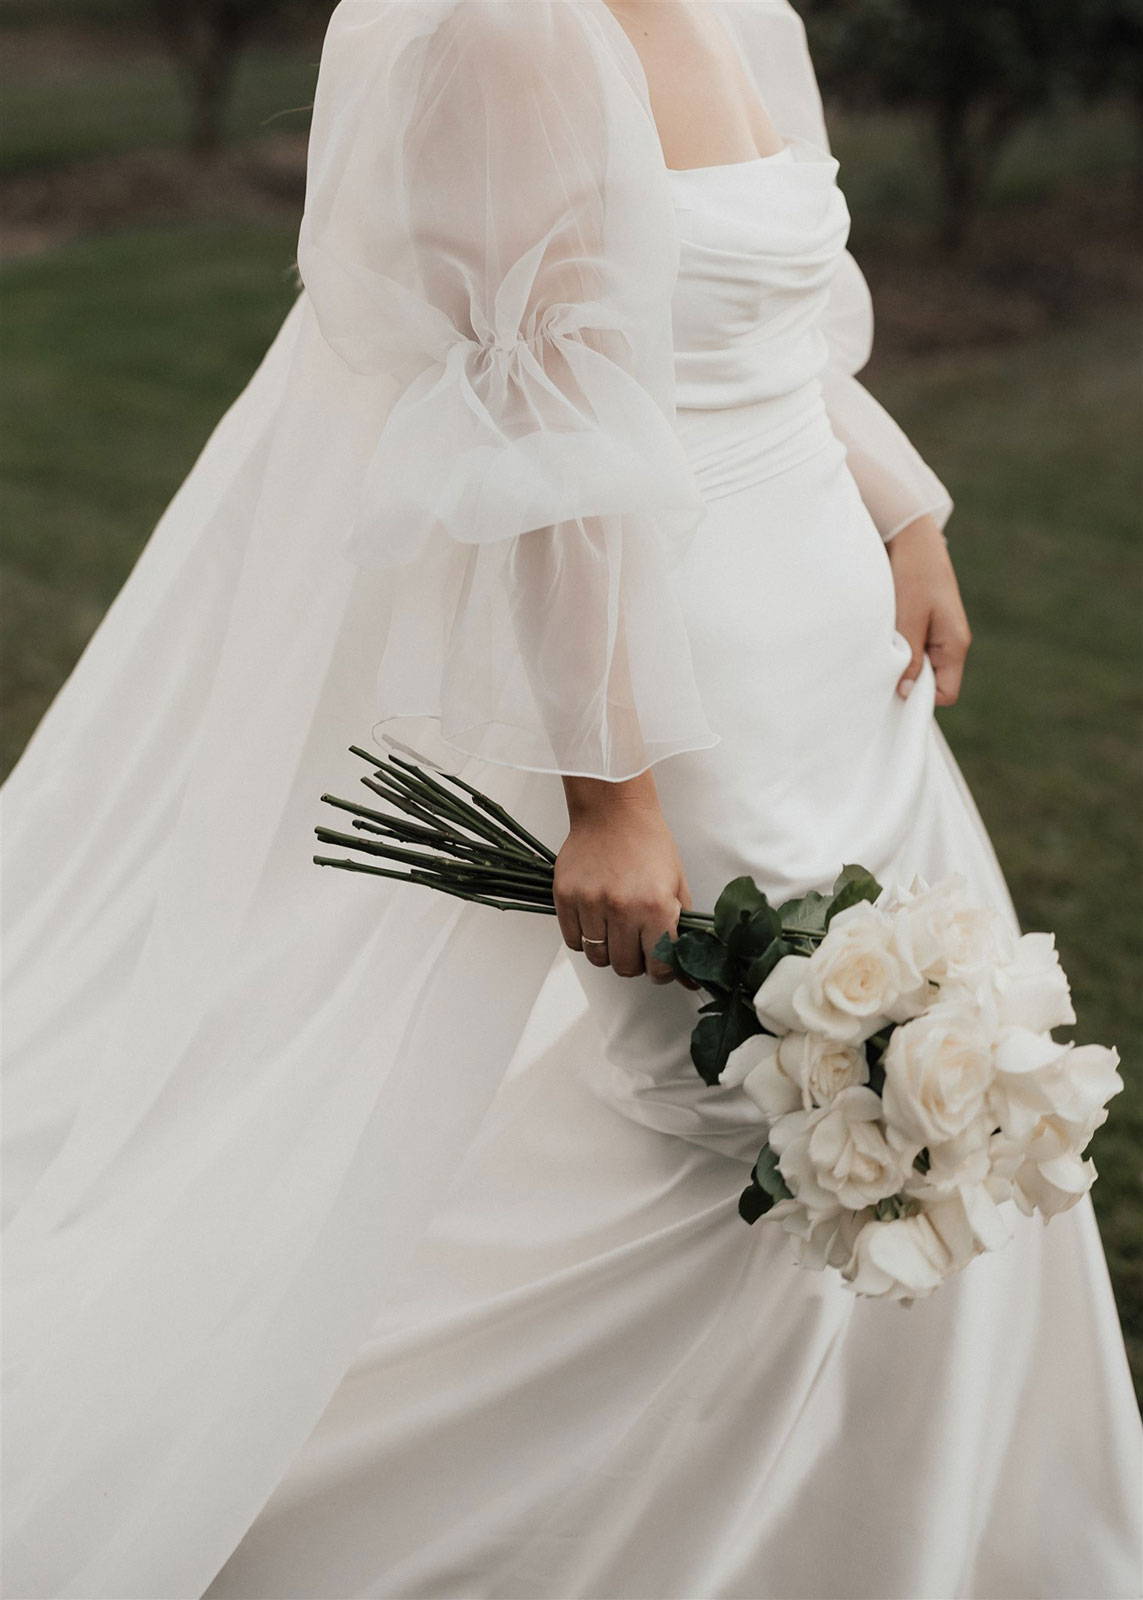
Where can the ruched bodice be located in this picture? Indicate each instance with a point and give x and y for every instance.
(760, 241)
(759, 244)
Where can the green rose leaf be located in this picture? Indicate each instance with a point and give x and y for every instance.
(750, 936)
(737, 903)
(807, 915)
(762, 966)
(853, 885)
(665, 950)
(768, 1177)
(753, 1203)
(704, 958)
(854, 872)
(719, 1033)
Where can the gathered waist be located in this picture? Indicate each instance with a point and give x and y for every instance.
(732, 447)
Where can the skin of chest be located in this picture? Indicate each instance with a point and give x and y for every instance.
(704, 104)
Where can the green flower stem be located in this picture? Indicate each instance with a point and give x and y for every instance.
(403, 802)
(508, 820)
(446, 806)
(446, 867)
(460, 808)
(474, 851)
(399, 828)
(433, 799)
(459, 894)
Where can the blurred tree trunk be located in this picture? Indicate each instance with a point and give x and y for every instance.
(968, 150)
(206, 37)
(971, 70)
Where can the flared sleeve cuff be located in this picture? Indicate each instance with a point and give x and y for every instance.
(896, 483)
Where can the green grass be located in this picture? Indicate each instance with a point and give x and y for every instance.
(119, 356)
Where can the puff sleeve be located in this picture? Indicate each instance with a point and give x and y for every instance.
(488, 241)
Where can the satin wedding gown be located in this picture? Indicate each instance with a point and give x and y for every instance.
(578, 1374)
(602, 1383)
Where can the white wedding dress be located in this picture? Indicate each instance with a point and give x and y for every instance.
(388, 1249)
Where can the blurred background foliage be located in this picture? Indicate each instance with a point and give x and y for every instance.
(152, 158)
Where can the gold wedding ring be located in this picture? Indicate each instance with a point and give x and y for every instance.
(583, 939)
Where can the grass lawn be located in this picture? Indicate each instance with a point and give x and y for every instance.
(122, 352)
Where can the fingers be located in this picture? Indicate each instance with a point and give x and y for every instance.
(930, 612)
(949, 641)
(658, 971)
(596, 935)
(626, 948)
(629, 937)
(567, 915)
(914, 630)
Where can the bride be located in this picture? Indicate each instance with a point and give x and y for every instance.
(361, 1242)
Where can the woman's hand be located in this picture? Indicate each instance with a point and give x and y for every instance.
(930, 613)
(618, 877)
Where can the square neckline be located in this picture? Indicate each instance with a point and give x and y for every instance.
(626, 44)
(726, 166)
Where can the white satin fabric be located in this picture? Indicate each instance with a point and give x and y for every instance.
(304, 1295)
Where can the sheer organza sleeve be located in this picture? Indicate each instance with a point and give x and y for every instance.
(488, 240)
(896, 484)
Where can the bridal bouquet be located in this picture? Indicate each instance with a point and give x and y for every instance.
(898, 1042)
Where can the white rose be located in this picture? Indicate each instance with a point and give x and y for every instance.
(1085, 1079)
(774, 1001)
(1037, 1078)
(854, 983)
(907, 1257)
(1053, 1186)
(819, 1242)
(795, 1072)
(755, 1066)
(789, 1138)
(965, 1159)
(820, 1067)
(945, 935)
(838, 1154)
(898, 1259)
(1031, 989)
(938, 1072)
